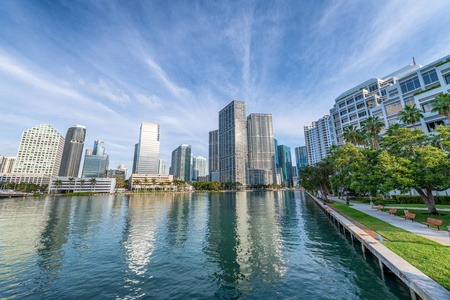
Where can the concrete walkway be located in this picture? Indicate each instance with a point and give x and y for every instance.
(440, 236)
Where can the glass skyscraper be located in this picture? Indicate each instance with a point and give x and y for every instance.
(181, 163)
(301, 157)
(233, 143)
(261, 149)
(73, 150)
(213, 151)
(285, 163)
(199, 167)
(147, 158)
(96, 161)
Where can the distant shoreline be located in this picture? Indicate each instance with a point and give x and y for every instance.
(149, 193)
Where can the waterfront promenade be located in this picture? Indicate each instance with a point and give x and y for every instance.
(440, 236)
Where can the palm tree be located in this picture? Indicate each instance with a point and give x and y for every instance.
(441, 104)
(154, 183)
(373, 127)
(82, 181)
(146, 183)
(349, 134)
(93, 182)
(71, 180)
(136, 182)
(58, 182)
(410, 115)
(393, 129)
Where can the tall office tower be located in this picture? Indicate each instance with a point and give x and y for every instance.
(147, 158)
(285, 161)
(213, 164)
(136, 147)
(199, 167)
(40, 151)
(96, 161)
(261, 149)
(301, 157)
(73, 150)
(7, 164)
(319, 139)
(233, 143)
(162, 167)
(181, 163)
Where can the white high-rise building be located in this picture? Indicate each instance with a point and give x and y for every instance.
(40, 151)
(318, 139)
(162, 167)
(199, 167)
(7, 164)
(147, 159)
(384, 98)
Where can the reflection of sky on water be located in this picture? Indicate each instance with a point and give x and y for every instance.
(224, 245)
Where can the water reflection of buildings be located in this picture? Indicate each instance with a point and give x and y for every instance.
(243, 240)
(145, 213)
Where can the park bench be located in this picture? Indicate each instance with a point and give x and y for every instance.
(409, 216)
(380, 207)
(434, 222)
(392, 211)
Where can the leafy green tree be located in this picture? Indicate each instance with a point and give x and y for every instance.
(410, 115)
(411, 161)
(441, 104)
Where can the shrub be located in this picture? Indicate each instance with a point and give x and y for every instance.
(406, 199)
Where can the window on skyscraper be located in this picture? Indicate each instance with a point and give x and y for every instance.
(430, 77)
(409, 101)
(362, 114)
(393, 108)
(447, 78)
(373, 87)
(410, 85)
(427, 107)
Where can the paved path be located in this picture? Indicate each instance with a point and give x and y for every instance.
(441, 236)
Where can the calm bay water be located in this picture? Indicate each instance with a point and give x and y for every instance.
(264, 245)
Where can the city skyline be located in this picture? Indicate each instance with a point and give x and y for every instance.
(272, 56)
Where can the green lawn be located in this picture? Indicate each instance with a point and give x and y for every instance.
(422, 217)
(430, 257)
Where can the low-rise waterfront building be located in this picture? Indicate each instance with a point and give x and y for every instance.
(62, 185)
(143, 181)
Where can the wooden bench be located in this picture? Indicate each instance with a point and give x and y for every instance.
(434, 222)
(409, 215)
(392, 211)
(380, 207)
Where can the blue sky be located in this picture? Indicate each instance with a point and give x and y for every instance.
(111, 65)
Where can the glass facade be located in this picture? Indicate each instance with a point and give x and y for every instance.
(213, 151)
(233, 143)
(301, 157)
(181, 163)
(261, 148)
(73, 150)
(96, 161)
(285, 160)
(147, 159)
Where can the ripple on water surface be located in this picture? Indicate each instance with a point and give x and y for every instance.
(260, 245)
